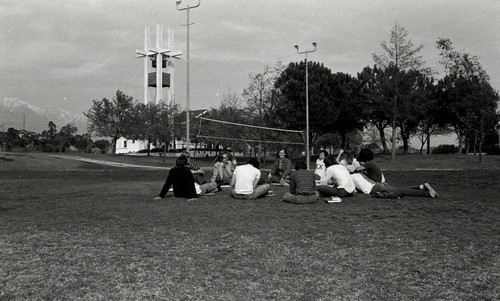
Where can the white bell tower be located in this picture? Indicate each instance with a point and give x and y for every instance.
(161, 58)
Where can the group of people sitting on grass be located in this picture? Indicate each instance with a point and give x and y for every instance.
(335, 177)
(188, 181)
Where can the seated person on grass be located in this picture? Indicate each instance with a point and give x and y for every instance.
(244, 184)
(194, 168)
(198, 173)
(365, 182)
(368, 167)
(302, 186)
(282, 167)
(181, 178)
(339, 176)
(348, 159)
(223, 170)
(320, 165)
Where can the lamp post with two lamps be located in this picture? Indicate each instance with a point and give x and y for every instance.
(307, 102)
(187, 9)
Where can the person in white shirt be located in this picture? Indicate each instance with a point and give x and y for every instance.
(339, 176)
(367, 185)
(244, 183)
(320, 165)
(348, 159)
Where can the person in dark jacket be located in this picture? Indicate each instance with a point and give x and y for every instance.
(280, 172)
(181, 178)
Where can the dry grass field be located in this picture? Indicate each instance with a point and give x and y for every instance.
(80, 230)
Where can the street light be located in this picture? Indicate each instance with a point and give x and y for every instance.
(307, 101)
(187, 8)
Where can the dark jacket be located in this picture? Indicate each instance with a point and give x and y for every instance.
(286, 166)
(182, 180)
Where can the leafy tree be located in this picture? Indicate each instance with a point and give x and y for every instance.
(66, 136)
(227, 135)
(379, 89)
(50, 143)
(459, 64)
(102, 145)
(111, 118)
(51, 132)
(431, 123)
(152, 122)
(348, 106)
(145, 121)
(11, 139)
(334, 101)
(82, 142)
(328, 141)
(414, 92)
(164, 132)
(69, 129)
(260, 97)
(467, 94)
(290, 109)
(471, 103)
(376, 107)
(401, 55)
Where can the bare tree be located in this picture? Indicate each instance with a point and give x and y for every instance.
(400, 54)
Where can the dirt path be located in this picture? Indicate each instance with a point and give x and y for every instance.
(110, 163)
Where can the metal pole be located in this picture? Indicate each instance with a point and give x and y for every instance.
(187, 8)
(146, 65)
(188, 96)
(308, 155)
(307, 118)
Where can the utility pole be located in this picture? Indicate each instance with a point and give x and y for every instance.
(308, 155)
(187, 8)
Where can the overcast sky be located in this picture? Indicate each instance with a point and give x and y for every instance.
(61, 53)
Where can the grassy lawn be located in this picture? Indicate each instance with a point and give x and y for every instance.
(72, 230)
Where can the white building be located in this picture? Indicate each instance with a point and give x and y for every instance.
(125, 146)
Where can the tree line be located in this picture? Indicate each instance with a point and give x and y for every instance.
(399, 96)
(50, 140)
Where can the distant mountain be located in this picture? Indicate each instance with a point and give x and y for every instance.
(15, 113)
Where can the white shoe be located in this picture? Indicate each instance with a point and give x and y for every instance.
(334, 199)
(270, 193)
(431, 191)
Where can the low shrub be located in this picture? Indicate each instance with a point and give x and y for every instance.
(152, 150)
(445, 149)
(491, 149)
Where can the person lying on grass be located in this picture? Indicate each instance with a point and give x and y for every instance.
(338, 176)
(181, 178)
(244, 184)
(365, 178)
(302, 186)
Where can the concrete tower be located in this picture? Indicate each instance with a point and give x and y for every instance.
(161, 58)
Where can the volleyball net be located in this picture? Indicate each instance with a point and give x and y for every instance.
(247, 135)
